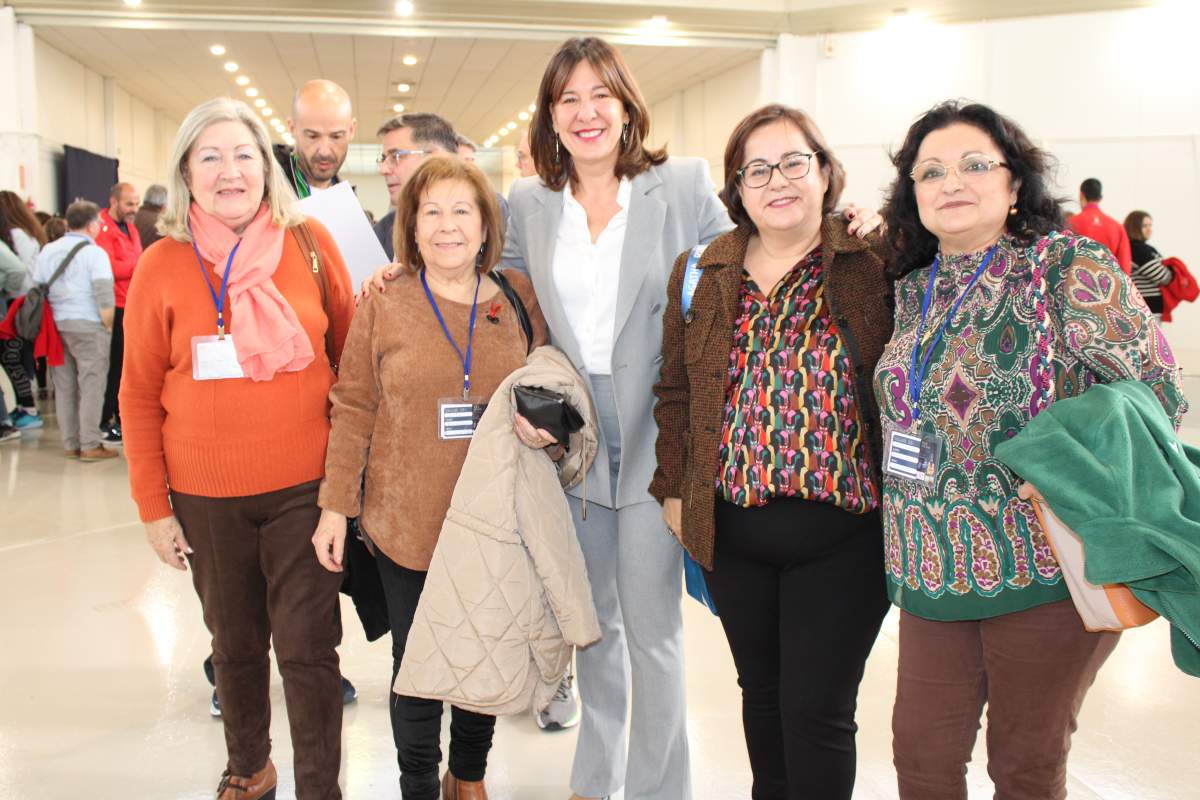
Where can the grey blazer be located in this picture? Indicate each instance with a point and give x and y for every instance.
(672, 208)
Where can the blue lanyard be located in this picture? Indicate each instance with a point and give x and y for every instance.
(918, 372)
(466, 360)
(218, 299)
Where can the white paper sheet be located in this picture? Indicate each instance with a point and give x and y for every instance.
(338, 209)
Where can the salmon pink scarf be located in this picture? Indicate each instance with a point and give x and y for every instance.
(267, 334)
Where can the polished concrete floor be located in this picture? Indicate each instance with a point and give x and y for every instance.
(101, 692)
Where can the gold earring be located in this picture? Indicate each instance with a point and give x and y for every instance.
(1012, 212)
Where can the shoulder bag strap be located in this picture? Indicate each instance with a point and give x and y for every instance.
(66, 263)
(518, 306)
(691, 276)
(308, 245)
(1040, 296)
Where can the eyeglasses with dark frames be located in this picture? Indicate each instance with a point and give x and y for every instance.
(792, 167)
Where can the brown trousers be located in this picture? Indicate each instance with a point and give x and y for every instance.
(1032, 668)
(258, 579)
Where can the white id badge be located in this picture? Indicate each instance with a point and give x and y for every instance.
(457, 418)
(214, 358)
(912, 455)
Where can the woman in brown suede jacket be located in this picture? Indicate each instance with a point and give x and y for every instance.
(768, 448)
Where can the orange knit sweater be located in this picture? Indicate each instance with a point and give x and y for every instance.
(223, 438)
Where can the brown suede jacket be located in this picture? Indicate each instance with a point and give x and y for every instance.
(692, 388)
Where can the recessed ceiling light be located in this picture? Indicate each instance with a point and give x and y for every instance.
(217, 49)
(658, 22)
(242, 80)
(259, 103)
(231, 66)
(524, 115)
(503, 131)
(532, 107)
(133, 3)
(409, 60)
(398, 108)
(404, 88)
(512, 126)
(252, 92)
(266, 112)
(405, 8)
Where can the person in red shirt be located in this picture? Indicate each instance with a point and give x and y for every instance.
(1098, 226)
(120, 239)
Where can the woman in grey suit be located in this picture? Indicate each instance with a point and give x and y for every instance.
(597, 230)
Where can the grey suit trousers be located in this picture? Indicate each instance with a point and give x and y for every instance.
(635, 567)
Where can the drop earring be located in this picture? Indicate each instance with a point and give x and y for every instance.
(625, 134)
(556, 148)
(1012, 212)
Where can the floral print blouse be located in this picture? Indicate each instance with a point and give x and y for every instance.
(1043, 321)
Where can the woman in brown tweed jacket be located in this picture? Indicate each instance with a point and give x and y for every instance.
(768, 448)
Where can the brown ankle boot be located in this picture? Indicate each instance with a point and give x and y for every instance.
(454, 789)
(259, 786)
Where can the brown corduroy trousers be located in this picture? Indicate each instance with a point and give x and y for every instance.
(258, 579)
(1032, 668)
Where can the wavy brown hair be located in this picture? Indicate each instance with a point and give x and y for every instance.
(1038, 212)
(435, 169)
(19, 216)
(735, 154)
(554, 164)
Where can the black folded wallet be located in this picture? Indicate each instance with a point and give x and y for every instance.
(549, 411)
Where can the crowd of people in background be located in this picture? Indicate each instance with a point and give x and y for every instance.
(744, 356)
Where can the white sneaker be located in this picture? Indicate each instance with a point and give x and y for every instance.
(563, 710)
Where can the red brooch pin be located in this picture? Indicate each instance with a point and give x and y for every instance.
(493, 315)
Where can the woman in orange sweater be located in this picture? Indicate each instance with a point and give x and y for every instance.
(225, 404)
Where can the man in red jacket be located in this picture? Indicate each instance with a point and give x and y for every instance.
(1096, 225)
(119, 238)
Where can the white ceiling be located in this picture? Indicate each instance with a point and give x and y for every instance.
(479, 61)
(478, 84)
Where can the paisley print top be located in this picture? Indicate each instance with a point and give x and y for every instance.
(968, 547)
(792, 425)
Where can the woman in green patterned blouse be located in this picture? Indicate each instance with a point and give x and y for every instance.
(998, 310)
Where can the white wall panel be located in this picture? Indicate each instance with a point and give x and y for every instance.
(1114, 95)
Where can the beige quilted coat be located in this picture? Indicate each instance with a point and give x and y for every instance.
(507, 595)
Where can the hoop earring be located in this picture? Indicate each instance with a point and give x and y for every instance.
(556, 146)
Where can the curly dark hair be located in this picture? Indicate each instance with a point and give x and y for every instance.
(1038, 211)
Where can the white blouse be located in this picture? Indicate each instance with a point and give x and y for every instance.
(586, 276)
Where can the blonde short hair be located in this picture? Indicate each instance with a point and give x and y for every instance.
(277, 191)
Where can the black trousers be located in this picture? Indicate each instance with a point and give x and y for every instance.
(801, 592)
(111, 414)
(417, 722)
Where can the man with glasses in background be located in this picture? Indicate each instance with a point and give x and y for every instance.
(406, 140)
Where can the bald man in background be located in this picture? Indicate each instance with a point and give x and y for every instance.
(323, 124)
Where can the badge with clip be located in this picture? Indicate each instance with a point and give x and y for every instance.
(458, 417)
(912, 455)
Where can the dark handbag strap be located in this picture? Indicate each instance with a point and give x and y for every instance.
(308, 244)
(66, 263)
(515, 301)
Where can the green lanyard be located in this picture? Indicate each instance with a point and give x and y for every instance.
(302, 188)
